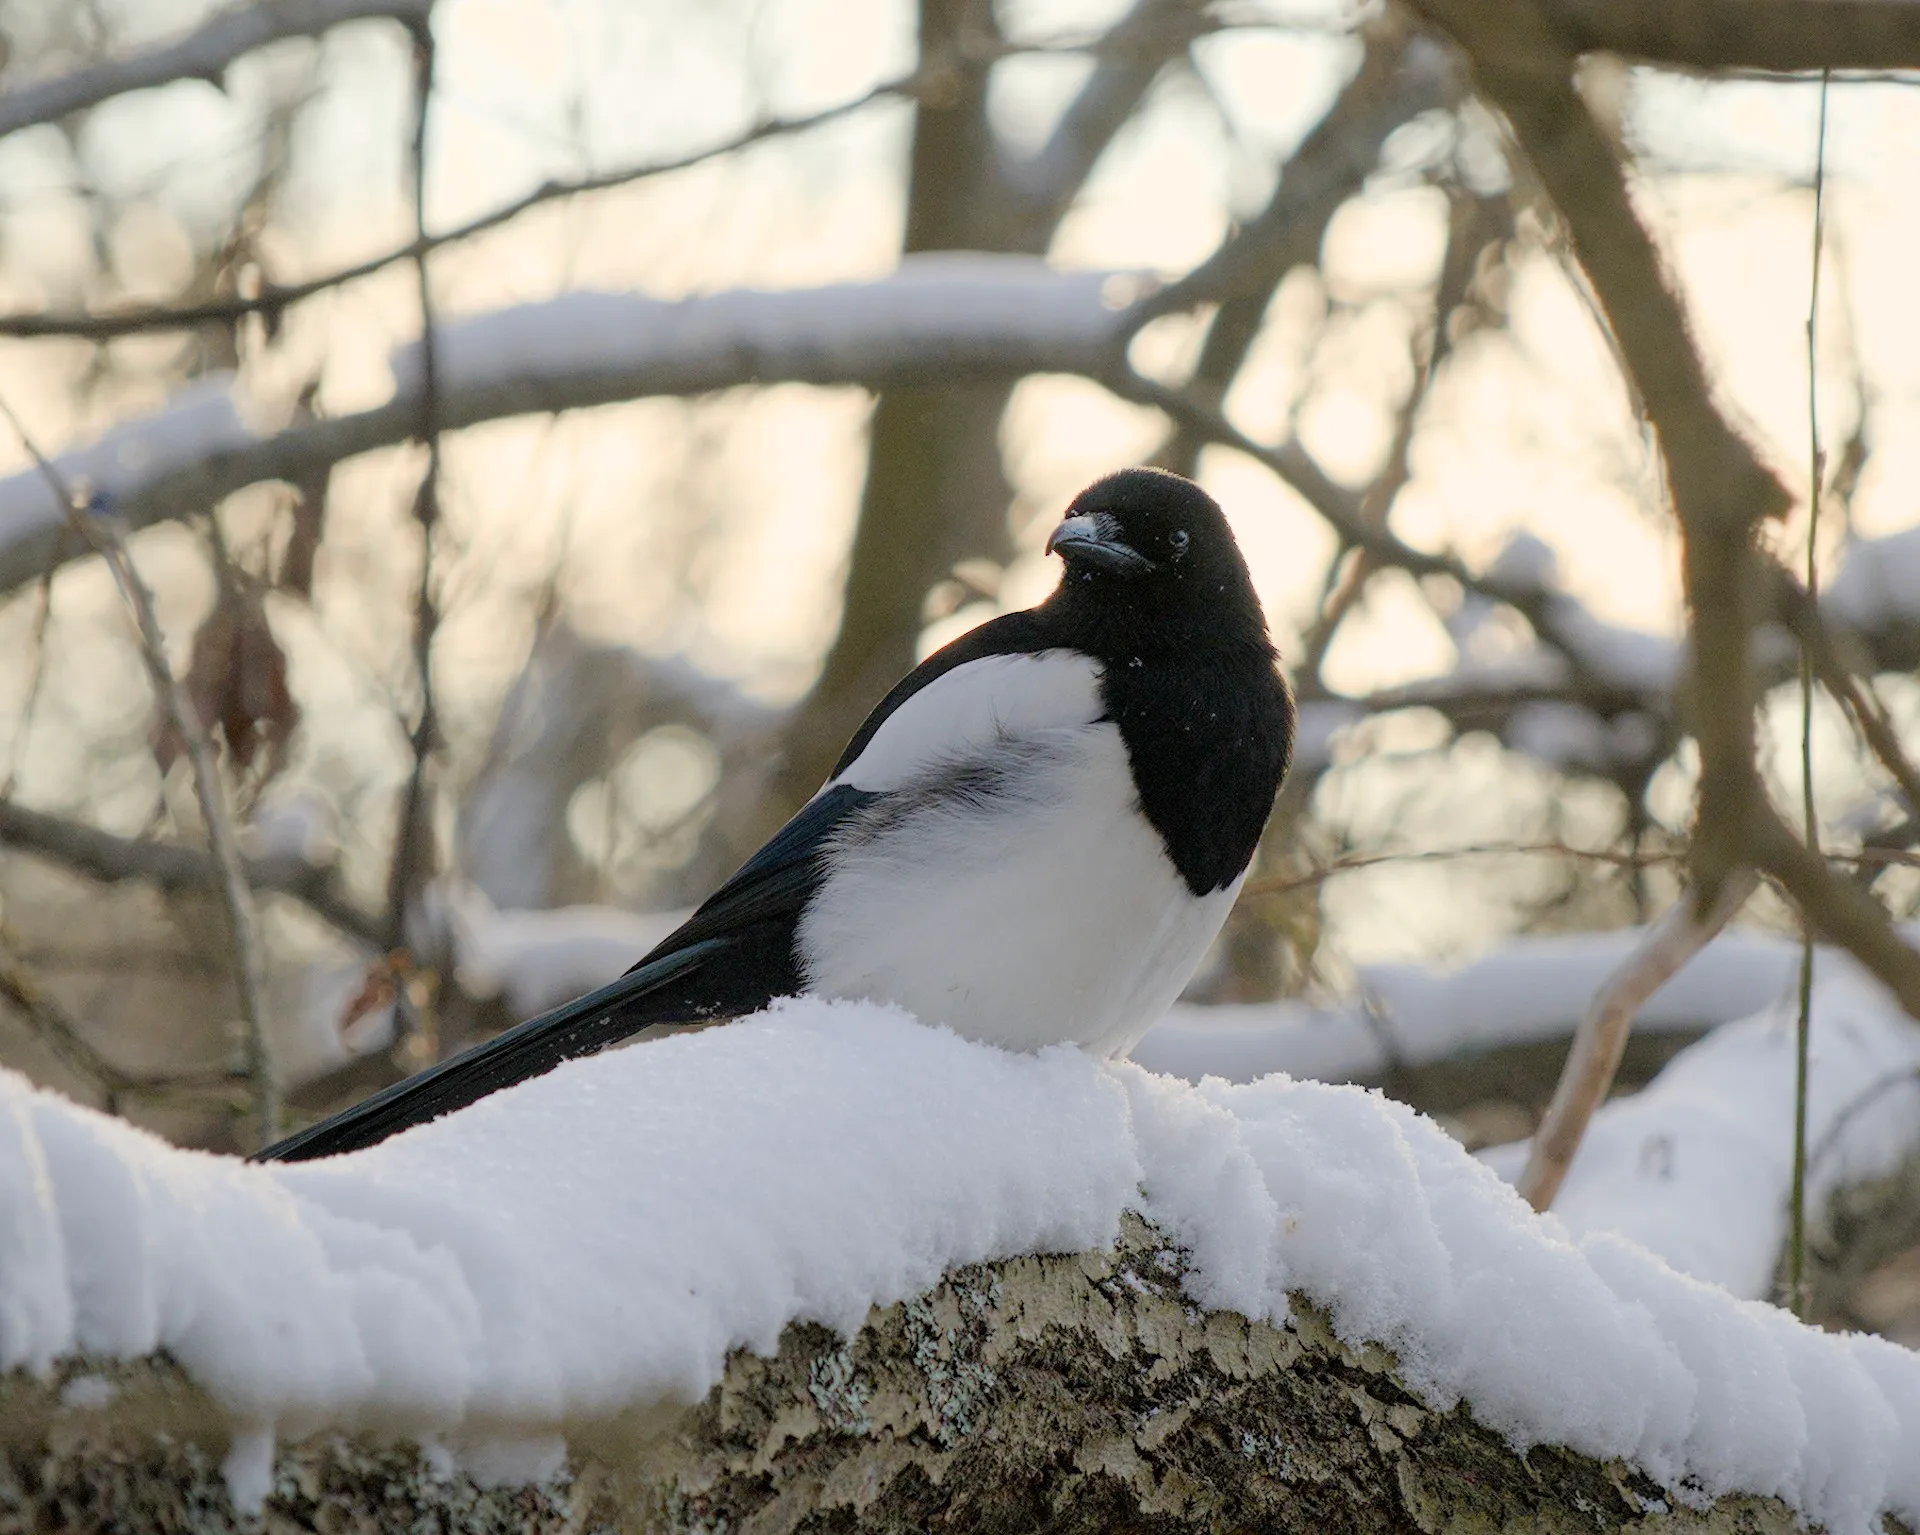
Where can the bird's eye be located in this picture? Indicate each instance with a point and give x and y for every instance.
(1177, 541)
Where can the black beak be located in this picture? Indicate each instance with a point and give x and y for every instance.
(1093, 539)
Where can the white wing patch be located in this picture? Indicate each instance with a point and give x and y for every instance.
(959, 716)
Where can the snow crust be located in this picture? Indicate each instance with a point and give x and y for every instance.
(603, 1236)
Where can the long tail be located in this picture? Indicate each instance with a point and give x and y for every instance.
(531, 1049)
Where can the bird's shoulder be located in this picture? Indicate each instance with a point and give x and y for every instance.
(1011, 676)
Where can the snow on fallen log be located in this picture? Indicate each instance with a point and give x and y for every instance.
(1878, 583)
(597, 1243)
(1533, 988)
(1696, 1167)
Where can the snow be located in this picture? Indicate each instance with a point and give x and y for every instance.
(539, 959)
(196, 423)
(1532, 989)
(1878, 582)
(1631, 659)
(1317, 730)
(603, 1236)
(1696, 1167)
(956, 303)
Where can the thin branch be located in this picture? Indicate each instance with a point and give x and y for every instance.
(1399, 78)
(1797, 607)
(36, 680)
(411, 836)
(1601, 1039)
(108, 539)
(1797, 1296)
(1858, 1105)
(273, 298)
(109, 542)
(1352, 862)
(60, 1032)
(55, 1028)
(103, 856)
(1845, 914)
(203, 54)
(1137, 48)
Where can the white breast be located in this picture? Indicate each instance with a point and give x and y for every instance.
(1041, 910)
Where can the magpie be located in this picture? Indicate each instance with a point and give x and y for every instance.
(1032, 839)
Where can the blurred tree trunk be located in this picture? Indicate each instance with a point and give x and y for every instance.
(936, 492)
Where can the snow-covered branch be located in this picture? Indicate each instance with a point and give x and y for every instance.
(203, 54)
(758, 1219)
(1695, 1166)
(938, 319)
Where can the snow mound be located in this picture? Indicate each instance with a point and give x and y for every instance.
(603, 1237)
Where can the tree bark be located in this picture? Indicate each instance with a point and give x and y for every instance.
(1079, 1393)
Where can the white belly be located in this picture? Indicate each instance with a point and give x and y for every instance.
(1051, 915)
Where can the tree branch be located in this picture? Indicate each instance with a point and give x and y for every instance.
(1137, 48)
(1719, 488)
(103, 856)
(413, 838)
(1601, 1039)
(961, 317)
(1785, 36)
(202, 54)
(1399, 78)
(1063, 1393)
(276, 297)
(221, 839)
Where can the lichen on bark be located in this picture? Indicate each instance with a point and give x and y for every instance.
(1075, 1393)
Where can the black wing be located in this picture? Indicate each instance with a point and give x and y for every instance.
(732, 956)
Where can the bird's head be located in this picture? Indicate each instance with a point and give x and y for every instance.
(1153, 542)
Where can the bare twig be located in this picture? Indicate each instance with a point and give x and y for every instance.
(273, 298)
(54, 1027)
(1353, 862)
(59, 1031)
(413, 832)
(1601, 1038)
(221, 838)
(103, 856)
(1467, 235)
(1138, 46)
(202, 54)
(1797, 1297)
(109, 542)
(1828, 653)
(1865, 1099)
(36, 679)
